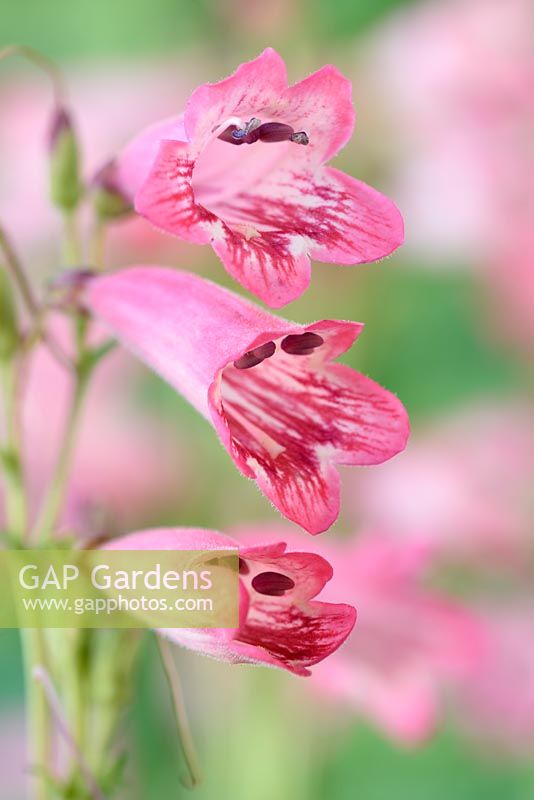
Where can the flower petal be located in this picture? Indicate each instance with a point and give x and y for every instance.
(288, 631)
(135, 162)
(364, 225)
(264, 232)
(253, 89)
(296, 637)
(289, 423)
(173, 539)
(321, 104)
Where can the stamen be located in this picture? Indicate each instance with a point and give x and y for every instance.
(272, 583)
(275, 132)
(254, 357)
(248, 134)
(268, 132)
(228, 135)
(300, 137)
(301, 344)
(252, 124)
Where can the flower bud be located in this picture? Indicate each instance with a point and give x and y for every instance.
(108, 200)
(65, 184)
(9, 335)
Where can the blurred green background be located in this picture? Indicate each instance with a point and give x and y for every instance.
(258, 736)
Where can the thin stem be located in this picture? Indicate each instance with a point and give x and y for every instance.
(42, 62)
(42, 677)
(72, 245)
(51, 507)
(16, 510)
(182, 722)
(38, 714)
(19, 277)
(98, 244)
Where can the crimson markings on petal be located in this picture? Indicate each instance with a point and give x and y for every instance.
(301, 344)
(273, 584)
(254, 357)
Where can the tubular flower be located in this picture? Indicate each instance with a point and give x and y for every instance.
(283, 410)
(412, 645)
(280, 624)
(243, 169)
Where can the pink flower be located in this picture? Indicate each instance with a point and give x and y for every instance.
(281, 625)
(497, 704)
(411, 643)
(463, 485)
(477, 57)
(283, 410)
(243, 169)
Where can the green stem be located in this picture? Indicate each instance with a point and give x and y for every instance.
(16, 511)
(20, 280)
(51, 507)
(32, 640)
(40, 61)
(19, 277)
(71, 244)
(180, 713)
(98, 244)
(38, 715)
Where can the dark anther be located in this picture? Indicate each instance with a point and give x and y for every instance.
(246, 135)
(254, 357)
(300, 137)
(268, 132)
(301, 344)
(228, 135)
(244, 568)
(275, 132)
(272, 583)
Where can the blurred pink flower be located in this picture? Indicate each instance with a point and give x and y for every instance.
(125, 463)
(463, 485)
(496, 705)
(281, 625)
(283, 410)
(458, 80)
(411, 643)
(269, 206)
(13, 766)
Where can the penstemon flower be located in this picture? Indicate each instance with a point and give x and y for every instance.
(280, 625)
(412, 643)
(243, 169)
(284, 411)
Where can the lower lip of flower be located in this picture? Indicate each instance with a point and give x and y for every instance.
(225, 177)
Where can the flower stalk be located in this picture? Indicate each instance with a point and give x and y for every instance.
(194, 776)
